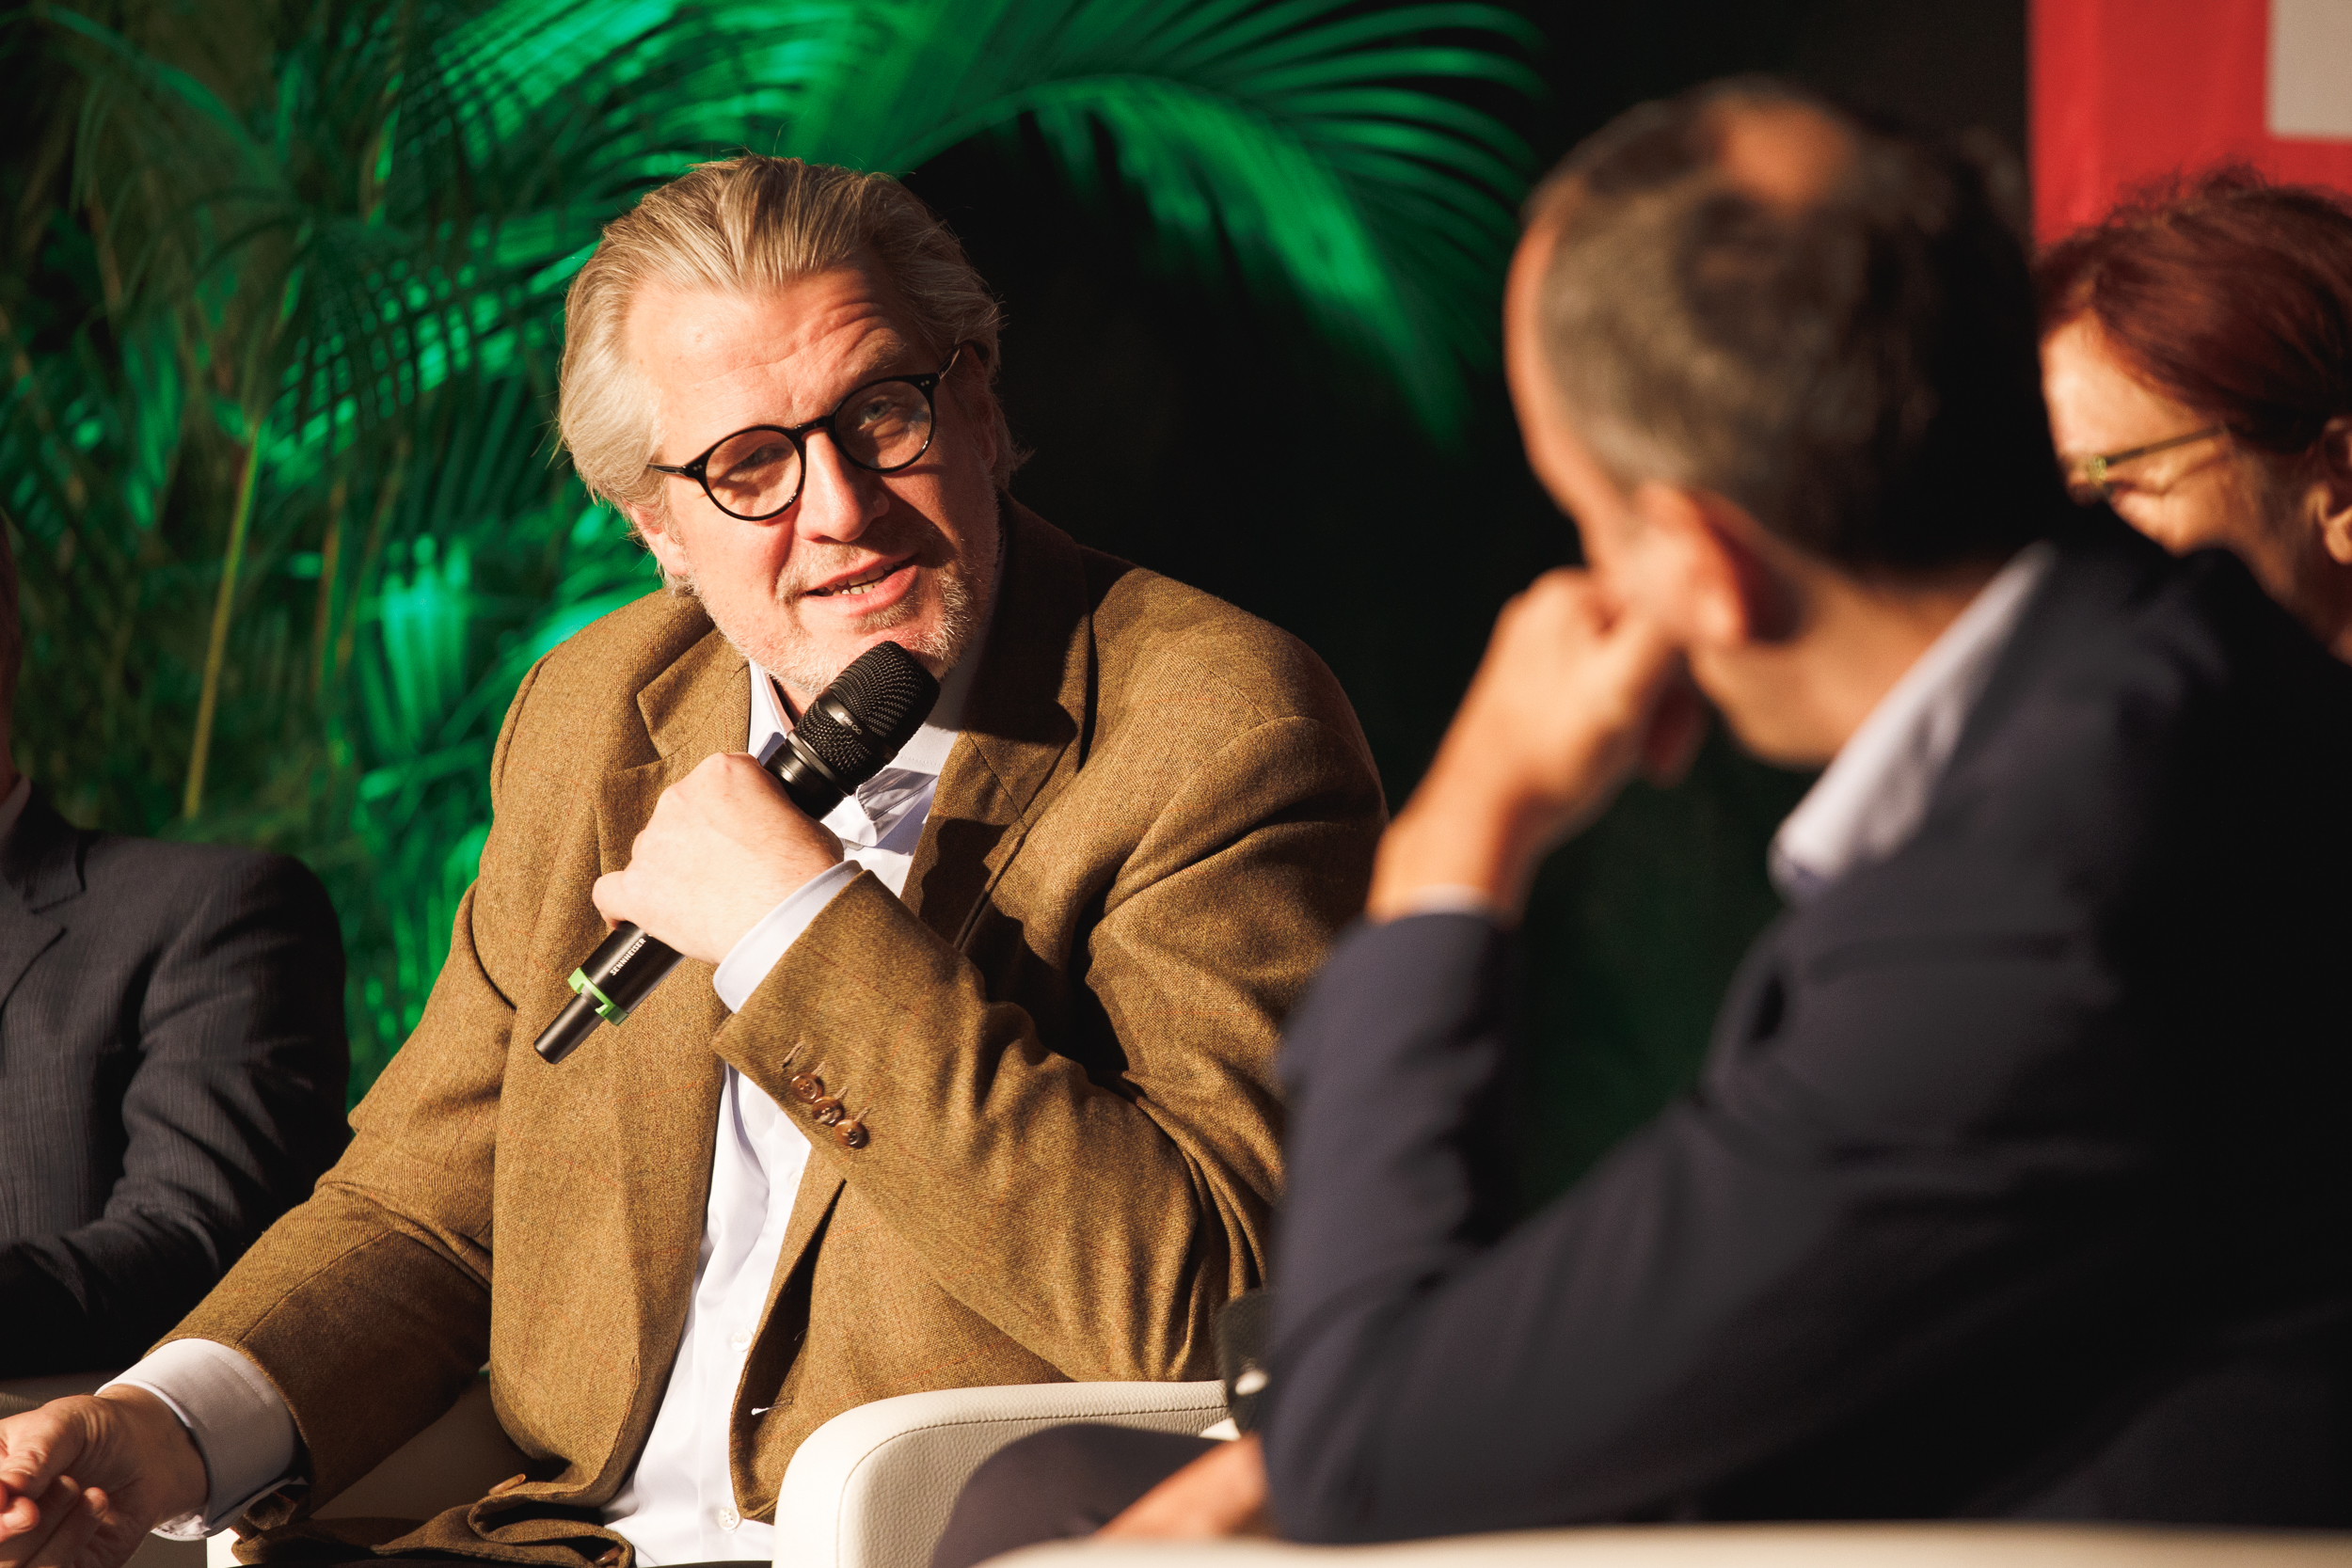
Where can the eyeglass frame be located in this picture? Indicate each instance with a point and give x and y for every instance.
(698, 469)
(2094, 467)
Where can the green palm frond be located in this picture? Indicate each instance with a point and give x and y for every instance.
(1303, 140)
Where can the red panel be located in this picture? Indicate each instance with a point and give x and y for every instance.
(2123, 91)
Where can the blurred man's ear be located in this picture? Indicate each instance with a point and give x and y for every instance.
(2332, 492)
(1710, 569)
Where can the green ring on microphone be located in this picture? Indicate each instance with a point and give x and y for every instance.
(607, 1009)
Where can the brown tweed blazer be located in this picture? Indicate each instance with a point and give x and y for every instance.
(1060, 1046)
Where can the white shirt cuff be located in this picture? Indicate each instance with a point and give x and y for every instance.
(749, 960)
(241, 1428)
(1450, 898)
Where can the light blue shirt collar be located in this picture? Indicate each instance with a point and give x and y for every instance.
(1874, 794)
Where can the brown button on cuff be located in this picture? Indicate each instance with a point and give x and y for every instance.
(827, 1112)
(808, 1087)
(851, 1133)
(508, 1485)
(609, 1558)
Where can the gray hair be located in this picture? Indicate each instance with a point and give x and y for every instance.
(1860, 372)
(735, 228)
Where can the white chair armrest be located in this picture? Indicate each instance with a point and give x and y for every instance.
(872, 1487)
(1925, 1546)
(455, 1460)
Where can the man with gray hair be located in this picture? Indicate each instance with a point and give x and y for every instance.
(2014, 1182)
(968, 1084)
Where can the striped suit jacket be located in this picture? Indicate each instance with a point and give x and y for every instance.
(172, 1063)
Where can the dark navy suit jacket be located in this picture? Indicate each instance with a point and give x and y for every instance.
(172, 1061)
(2018, 1180)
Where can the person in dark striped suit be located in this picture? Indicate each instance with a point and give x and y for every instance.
(172, 1065)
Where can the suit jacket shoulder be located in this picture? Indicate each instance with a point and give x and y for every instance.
(2142, 706)
(1154, 633)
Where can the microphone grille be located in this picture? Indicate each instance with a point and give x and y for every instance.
(886, 694)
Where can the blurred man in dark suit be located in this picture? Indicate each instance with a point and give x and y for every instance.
(172, 1060)
(2015, 1183)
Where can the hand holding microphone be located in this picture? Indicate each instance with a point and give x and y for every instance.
(723, 846)
(722, 851)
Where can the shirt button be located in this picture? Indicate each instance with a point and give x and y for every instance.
(728, 1518)
(741, 1341)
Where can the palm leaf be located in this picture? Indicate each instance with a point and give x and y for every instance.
(1283, 136)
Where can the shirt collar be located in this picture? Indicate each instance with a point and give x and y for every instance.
(1874, 794)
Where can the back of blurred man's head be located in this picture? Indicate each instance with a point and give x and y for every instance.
(1752, 292)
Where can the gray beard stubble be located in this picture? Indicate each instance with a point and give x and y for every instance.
(791, 658)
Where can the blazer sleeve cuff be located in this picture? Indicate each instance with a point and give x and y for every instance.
(759, 949)
(240, 1426)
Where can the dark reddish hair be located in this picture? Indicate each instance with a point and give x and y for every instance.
(2226, 292)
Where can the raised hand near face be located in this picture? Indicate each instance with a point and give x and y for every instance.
(1574, 695)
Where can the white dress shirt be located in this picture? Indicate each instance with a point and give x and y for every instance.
(678, 1504)
(1874, 794)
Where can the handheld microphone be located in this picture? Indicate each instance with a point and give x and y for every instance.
(856, 725)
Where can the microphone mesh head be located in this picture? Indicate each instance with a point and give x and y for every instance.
(887, 694)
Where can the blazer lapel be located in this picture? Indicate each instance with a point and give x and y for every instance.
(23, 937)
(41, 866)
(699, 705)
(1024, 728)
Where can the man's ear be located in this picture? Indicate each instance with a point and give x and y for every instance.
(978, 401)
(2332, 491)
(653, 526)
(1710, 563)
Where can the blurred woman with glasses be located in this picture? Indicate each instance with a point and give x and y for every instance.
(2197, 354)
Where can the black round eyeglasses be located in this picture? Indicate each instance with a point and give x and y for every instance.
(882, 427)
